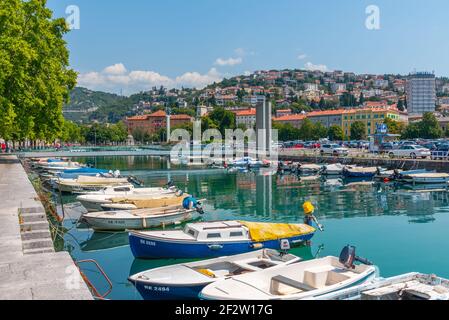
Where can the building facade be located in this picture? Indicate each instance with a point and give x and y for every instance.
(421, 93)
(246, 118)
(152, 123)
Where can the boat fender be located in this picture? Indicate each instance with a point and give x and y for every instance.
(257, 245)
(215, 247)
(144, 223)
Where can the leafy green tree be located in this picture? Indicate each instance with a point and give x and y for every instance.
(429, 127)
(358, 130)
(394, 127)
(335, 133)
(35, 80)
(306, 132)
(319, 131)
(223, 119)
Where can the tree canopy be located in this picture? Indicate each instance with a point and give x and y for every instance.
(35, 79)
(358, 130)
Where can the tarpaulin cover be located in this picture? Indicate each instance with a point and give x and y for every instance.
(274, 231)
(151, 203)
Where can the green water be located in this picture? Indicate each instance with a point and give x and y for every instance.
(400, 230)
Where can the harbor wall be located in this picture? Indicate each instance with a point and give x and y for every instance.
(30, 269)
(406, 164)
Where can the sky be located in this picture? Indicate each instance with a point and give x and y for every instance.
(133, 45)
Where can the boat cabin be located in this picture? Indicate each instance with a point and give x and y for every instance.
(217, 231)
(119, 188)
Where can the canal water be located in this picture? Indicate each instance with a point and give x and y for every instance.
(401, 230)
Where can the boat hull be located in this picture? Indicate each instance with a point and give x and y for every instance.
(146, 247)
(111, 224)
(155, 291)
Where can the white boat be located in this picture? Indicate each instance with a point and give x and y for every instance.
(411, 286)
(93, 201)
(309, 168)
(137, 219)
(86, 184)
(332, 169)
(424, 178)
(186, 280)
(300, 281)
(144, 201)
(54, 167)
(246, 162)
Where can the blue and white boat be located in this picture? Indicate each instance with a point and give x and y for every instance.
(90, 172)
(217, 239)
(360, 172)
(186, 280)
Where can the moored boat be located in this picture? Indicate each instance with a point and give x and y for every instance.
(425, 178)
(306, 169)
(144, 201)
(304, 280)
(332, 169)
(93, 201)
(360, 172)
(138, 219)
(411, 286)
(84, 184)
(186, 280)
(215, 239)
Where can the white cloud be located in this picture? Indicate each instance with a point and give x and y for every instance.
(116, 69)
(241, 52)
(116, 78)
(229, 61)
(316, 67)
(302, 56)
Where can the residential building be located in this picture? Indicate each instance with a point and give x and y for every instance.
(338, 87)
(151, 123)
(246, 118)
(254, 99)
(421, 93)
(283, 112)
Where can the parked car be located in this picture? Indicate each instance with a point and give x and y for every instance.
(410, 151)
(386, 147)
(441, 152)
(333, 149)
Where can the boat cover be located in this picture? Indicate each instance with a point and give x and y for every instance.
(273, 231)
(150, 203)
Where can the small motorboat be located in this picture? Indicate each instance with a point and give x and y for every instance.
(308, 169)
(411, 286)
(84, 184)
(360, 172)
(216, 239)
(144, 201)
(332, 169)
(93, 201)
(142, 218)
(425, 178)
(246, 162)
(186, 280)
(305, 280)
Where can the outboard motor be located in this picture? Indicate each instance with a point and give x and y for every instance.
(190, 202)
(348, 257)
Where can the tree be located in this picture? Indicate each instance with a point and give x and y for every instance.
(224, 119)
(335, 133)
(394, 127)
(306, 131)
(361, 99)
(401, 106)
(429, 127)
(35, 80)
(358, 130)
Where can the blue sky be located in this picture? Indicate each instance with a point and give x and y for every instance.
(135, 44)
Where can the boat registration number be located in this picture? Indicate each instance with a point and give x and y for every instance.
(157, 289)
(148, 243)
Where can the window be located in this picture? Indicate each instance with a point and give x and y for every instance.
(237, 234)
(213, 235)
(191, 232)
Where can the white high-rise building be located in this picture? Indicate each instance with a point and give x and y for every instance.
(421, 93)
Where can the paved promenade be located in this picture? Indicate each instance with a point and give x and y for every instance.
(30, 269)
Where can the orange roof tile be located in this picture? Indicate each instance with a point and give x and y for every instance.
(292, 117)
(244, 113)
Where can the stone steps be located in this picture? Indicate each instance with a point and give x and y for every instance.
(37, 244)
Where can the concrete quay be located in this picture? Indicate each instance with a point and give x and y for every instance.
(30, 269)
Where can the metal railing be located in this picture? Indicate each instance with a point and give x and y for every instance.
(94, 290)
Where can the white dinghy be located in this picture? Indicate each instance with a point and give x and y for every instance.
(332, 169)
(424, 178)
(140, 219)
(411, 286)
(186, 280)
(93, 201)
(300, 281)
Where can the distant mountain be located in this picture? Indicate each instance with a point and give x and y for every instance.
(88, 105)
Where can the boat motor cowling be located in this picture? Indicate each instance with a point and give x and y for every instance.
(190, 203)
(348, 257)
